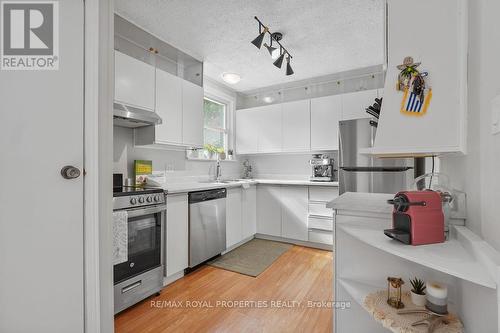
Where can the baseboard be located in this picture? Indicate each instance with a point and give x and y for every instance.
(232, 247)
(296, 242)
(172, 278)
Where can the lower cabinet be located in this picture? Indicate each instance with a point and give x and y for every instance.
(269, 210)
(177, 233)
(249, 211)
(241, 214)
(294, 209)
(233, 216)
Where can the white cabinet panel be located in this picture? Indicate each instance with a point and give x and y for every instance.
(233, 217)
(297, 126)
(169, 107)
(268, 210)
(192, 114)
(294, 209)
(270, 128)
(134, 82)
(321, 236)
(323, 193)
(249, 211)
(354, 104)
(247, 131)
(325, 116)
(177, 233)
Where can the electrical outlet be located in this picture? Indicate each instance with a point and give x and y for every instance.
(495, 115)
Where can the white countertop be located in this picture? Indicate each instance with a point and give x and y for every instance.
(363, 202)
(183, 187)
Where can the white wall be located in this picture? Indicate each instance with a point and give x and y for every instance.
(478, 173)
(124, 154)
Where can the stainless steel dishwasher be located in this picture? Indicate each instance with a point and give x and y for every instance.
(207, 225)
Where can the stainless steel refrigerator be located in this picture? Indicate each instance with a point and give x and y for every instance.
(364, 173)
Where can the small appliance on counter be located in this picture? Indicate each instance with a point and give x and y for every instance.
(322, 168)
(417, 218)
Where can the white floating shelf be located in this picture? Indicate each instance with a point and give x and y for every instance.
(450, 257)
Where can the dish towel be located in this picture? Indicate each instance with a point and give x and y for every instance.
(120, 237)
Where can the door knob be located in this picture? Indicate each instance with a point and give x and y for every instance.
(70, 172)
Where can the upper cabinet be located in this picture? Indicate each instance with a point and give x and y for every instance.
(325, 117)
(442, 51)
(270, 129)
(296, 126)
(192, 114)
(169, 107)
(179, 103)
(309, 125)
(247, 131)
(355, 103)
(134, 82)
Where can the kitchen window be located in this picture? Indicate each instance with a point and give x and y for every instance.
(218, 109)
(215, 133)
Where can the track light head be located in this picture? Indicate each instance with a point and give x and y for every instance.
(260, 38)
(289, 70)
(279, 62)
(270, 49)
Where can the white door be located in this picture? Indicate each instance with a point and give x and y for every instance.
(294, 210)
(270, 139)
(177, 237)
(192, 114)
(41, 215)
(247, 131)
(297, 126)
(233, 217)
(134, 82)
(325, 116)
(269, 210)
(355, 103)
(169, 107)
(249, 212)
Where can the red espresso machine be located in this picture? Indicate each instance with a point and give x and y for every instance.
(417, 218)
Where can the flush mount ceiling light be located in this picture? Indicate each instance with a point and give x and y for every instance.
(231, 78)
(273, 51)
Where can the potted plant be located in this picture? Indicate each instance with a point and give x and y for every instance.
(211, 150)
(418, 292)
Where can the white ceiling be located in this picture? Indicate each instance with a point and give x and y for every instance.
(323, 36)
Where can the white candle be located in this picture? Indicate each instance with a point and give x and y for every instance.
(436, 290)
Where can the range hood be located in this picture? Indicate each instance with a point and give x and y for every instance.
(132, 117)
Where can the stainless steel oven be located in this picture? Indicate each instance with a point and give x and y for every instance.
(142, 274)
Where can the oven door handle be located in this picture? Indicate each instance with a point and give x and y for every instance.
(146, 211)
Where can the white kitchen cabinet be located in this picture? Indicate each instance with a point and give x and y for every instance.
(169, 107)
(233, 216)
(325, 116)
(270, 128)
(269, 210)
(355, 103)
(443, 127)
(249, 212)
(294, 210)
(177, 233)
(134, 82)
(192, 114)
(247, 131)
(296, 126)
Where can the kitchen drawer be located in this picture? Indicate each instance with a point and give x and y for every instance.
(319, 209)
(326, 194)
(321, 236)
(320, 223)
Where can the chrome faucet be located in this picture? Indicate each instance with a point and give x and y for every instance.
(218, 171)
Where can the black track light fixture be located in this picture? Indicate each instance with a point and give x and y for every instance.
(289, 70)
(260, 38)
(274, 38)
(279, 62)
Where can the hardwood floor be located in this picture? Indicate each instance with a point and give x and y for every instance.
(195, 302)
